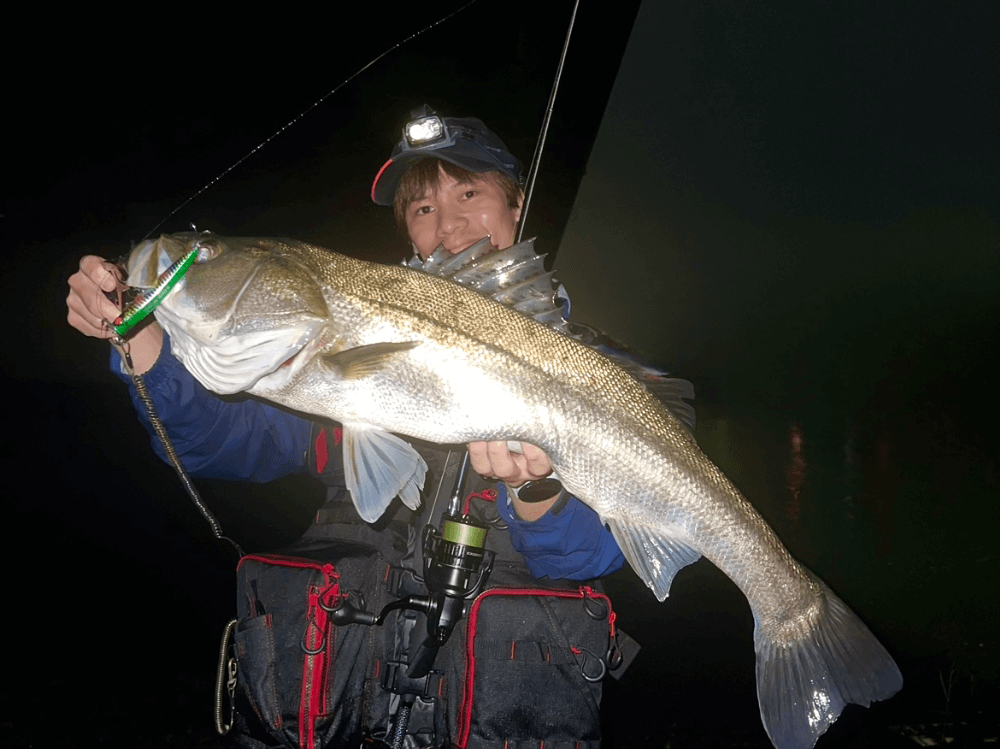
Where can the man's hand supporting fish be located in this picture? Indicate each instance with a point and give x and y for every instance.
(514, 469)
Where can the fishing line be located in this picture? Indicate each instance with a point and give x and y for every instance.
(131, 315)
(307, 110)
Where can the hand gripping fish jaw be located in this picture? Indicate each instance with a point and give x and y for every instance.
(136, 303)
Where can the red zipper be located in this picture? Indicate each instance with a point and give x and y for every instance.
(468, 688)
(318, 661)
(317, 642)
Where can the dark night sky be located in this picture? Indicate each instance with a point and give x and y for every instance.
(116, 130)
(794, 204)
(847, 151)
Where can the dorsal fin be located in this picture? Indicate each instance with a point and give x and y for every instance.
(515, 277)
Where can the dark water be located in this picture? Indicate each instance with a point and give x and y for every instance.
(898, 519)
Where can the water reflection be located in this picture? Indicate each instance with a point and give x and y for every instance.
(796, 472)
(897, 512)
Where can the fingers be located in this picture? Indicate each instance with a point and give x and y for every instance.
(86, 303)
(494, 459)
(480, 461)
(536, 462)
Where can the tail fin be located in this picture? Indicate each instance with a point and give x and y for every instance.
(803, 686)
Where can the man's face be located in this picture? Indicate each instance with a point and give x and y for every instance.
(459, 214)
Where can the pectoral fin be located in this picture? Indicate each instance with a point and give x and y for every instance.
(654, 557)
(365, 360)
(379, 466)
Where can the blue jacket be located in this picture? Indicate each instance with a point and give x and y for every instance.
(244, 439)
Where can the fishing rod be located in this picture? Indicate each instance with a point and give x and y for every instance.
(456, 563)
(529, 184)
(308, 109)
(543, 132)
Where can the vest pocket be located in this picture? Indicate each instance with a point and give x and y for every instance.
(254, 641)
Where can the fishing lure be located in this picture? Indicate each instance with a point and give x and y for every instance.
(139, 308)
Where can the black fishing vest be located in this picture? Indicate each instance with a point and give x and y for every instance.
(522, 667)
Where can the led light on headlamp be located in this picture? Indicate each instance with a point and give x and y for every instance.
(424, 131)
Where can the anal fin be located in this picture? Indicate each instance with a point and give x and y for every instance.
(654, 557)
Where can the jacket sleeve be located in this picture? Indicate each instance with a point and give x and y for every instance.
(569, 541)
(235, 438)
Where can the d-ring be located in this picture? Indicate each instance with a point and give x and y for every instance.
(583, 666)
(305, 648)
(595, 608)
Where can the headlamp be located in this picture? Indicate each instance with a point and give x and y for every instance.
(463, 141)
(424, 131)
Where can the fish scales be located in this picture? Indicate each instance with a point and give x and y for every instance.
(476, 323)
(388, 349)
(450, 308)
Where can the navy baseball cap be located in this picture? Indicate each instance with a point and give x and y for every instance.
(463, 141)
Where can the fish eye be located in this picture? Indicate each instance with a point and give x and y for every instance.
(207, 250)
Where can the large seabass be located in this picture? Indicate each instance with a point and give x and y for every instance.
(385, 349)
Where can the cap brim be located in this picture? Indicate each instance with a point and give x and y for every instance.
(387, 180)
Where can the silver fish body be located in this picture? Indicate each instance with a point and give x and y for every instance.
(386, 349)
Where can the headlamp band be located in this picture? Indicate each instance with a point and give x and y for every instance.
(466, 143)
(440, 134)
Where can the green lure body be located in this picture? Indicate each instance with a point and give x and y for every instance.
(145, 303)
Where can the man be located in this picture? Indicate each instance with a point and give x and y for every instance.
(449, 191)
